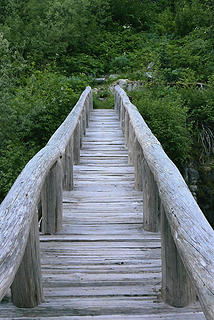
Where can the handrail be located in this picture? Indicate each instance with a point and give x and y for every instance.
(18, 209)
(186, 234)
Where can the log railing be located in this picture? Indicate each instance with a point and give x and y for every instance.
(41, 181)
(187, 237)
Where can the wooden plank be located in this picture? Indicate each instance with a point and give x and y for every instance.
(98, 306)
(172, 316)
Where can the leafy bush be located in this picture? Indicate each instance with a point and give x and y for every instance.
(30, 117)
(82, 64)
(162, 109)
(191, 14)
(103, 98)
(120, 63)
(165, 22)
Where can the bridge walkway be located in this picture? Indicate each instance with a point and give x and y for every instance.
(102, 265)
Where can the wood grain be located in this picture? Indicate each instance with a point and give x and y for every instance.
(102, 264)
(18, 208)
(192, 234)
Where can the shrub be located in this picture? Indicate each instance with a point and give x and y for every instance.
(120, 63)
(30, 117)
(162, 109)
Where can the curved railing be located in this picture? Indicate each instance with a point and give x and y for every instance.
(40, 182)
(187, 237)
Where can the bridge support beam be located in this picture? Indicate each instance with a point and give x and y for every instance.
(51, 197)
(177, 288)
(27, 289)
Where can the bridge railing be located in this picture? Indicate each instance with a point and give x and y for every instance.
(187, 237)
(41, 181)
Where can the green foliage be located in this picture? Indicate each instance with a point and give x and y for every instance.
(136, 13)
(121, 63)
(191, 14)
(201, 115)
(103, 98)
(163, 111)
(12, 65)
(165, 22)
(32, 114)
(82, 64)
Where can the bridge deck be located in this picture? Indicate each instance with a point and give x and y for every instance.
(102, 265)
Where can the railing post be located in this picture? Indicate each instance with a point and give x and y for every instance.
(27, 289)
(91, 101)
(119, 101)
(76, 145)
(68, 166)
(84, 120)
(81, 130)
(122, 117)
(116, 101)
(151, 201)
(51, 196)
(131, 144)
(177, 288)
(87, 111)
(126, 134)
(138, 166)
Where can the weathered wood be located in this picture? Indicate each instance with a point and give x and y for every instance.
(101, 263)
(131, 144)
(86, 113)
(116, 102)
(84, 120)
(90, 102)
(191, 232)
(126, 134)
(16, 211)
(27, 291)
(52, 200)
(172, 316)
(76, 144)
(138, 165)
(81, 129)
(177, 289)
(122, 117)
(68, 166)
(151, 202)
(119, 107)
(62, 135)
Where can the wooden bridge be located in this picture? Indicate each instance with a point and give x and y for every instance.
(102, 212)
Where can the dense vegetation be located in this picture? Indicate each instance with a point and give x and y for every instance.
(50, 50)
